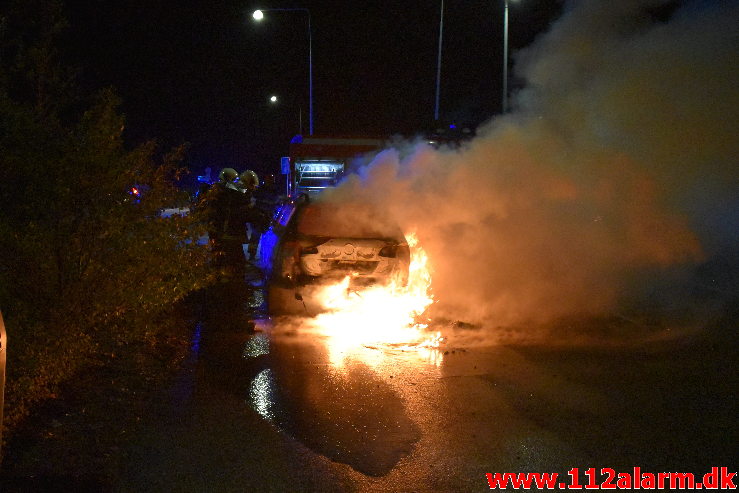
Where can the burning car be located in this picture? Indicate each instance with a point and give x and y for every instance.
(311, 243)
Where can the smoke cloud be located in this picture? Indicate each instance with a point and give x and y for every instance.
(618, 163)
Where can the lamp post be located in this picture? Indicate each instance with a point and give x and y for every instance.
(438, 62)
(505, 57)
(258, 15)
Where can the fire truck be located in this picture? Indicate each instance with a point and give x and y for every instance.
(316, 163)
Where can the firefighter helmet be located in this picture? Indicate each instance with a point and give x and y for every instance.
(249, 180)
(227, 175)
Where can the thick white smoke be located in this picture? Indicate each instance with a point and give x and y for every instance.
(620, 159)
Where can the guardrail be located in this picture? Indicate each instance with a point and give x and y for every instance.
(3, 357)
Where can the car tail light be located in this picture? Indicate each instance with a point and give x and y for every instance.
(389, 251)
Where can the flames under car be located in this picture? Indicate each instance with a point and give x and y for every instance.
(312, 243)
(317, 258)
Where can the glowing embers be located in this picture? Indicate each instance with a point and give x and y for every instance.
(378, 316)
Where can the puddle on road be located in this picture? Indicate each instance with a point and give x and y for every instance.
(262, 394)
(257, 345)
(348, 412)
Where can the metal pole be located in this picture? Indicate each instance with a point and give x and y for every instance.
(505, 58)
(310, 73)
(3, 358)
(438, 62)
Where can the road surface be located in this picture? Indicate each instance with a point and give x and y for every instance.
(286, 410)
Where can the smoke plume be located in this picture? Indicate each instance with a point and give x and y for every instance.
(618, 163)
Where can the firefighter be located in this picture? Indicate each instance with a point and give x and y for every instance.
(228, 211)
(267, 199)
(248, 182)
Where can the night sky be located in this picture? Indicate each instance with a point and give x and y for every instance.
(202, 71)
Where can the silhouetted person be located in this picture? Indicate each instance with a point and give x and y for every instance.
(228, 210)
(248, 182)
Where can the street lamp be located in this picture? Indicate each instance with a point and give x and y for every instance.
(438, 62)
(274, 100)
(258, 15)
(505, 58)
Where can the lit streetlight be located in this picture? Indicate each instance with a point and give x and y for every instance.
(258, 15)
(274, 101)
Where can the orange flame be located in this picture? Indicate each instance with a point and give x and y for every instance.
(379, 315)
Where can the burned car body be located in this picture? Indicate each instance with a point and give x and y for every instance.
(322, 241)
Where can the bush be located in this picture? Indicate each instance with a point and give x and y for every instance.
(85, 267)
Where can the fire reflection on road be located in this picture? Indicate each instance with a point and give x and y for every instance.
(330, 379)
(331, 353)
(343, 352)
(342, 401)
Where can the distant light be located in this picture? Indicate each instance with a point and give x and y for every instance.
(134, 190)
(258, 15)
(452, 126)
(273, 99)
(320, 168)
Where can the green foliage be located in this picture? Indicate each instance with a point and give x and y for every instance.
(85, 268)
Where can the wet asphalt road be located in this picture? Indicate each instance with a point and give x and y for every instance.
(280, 410)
